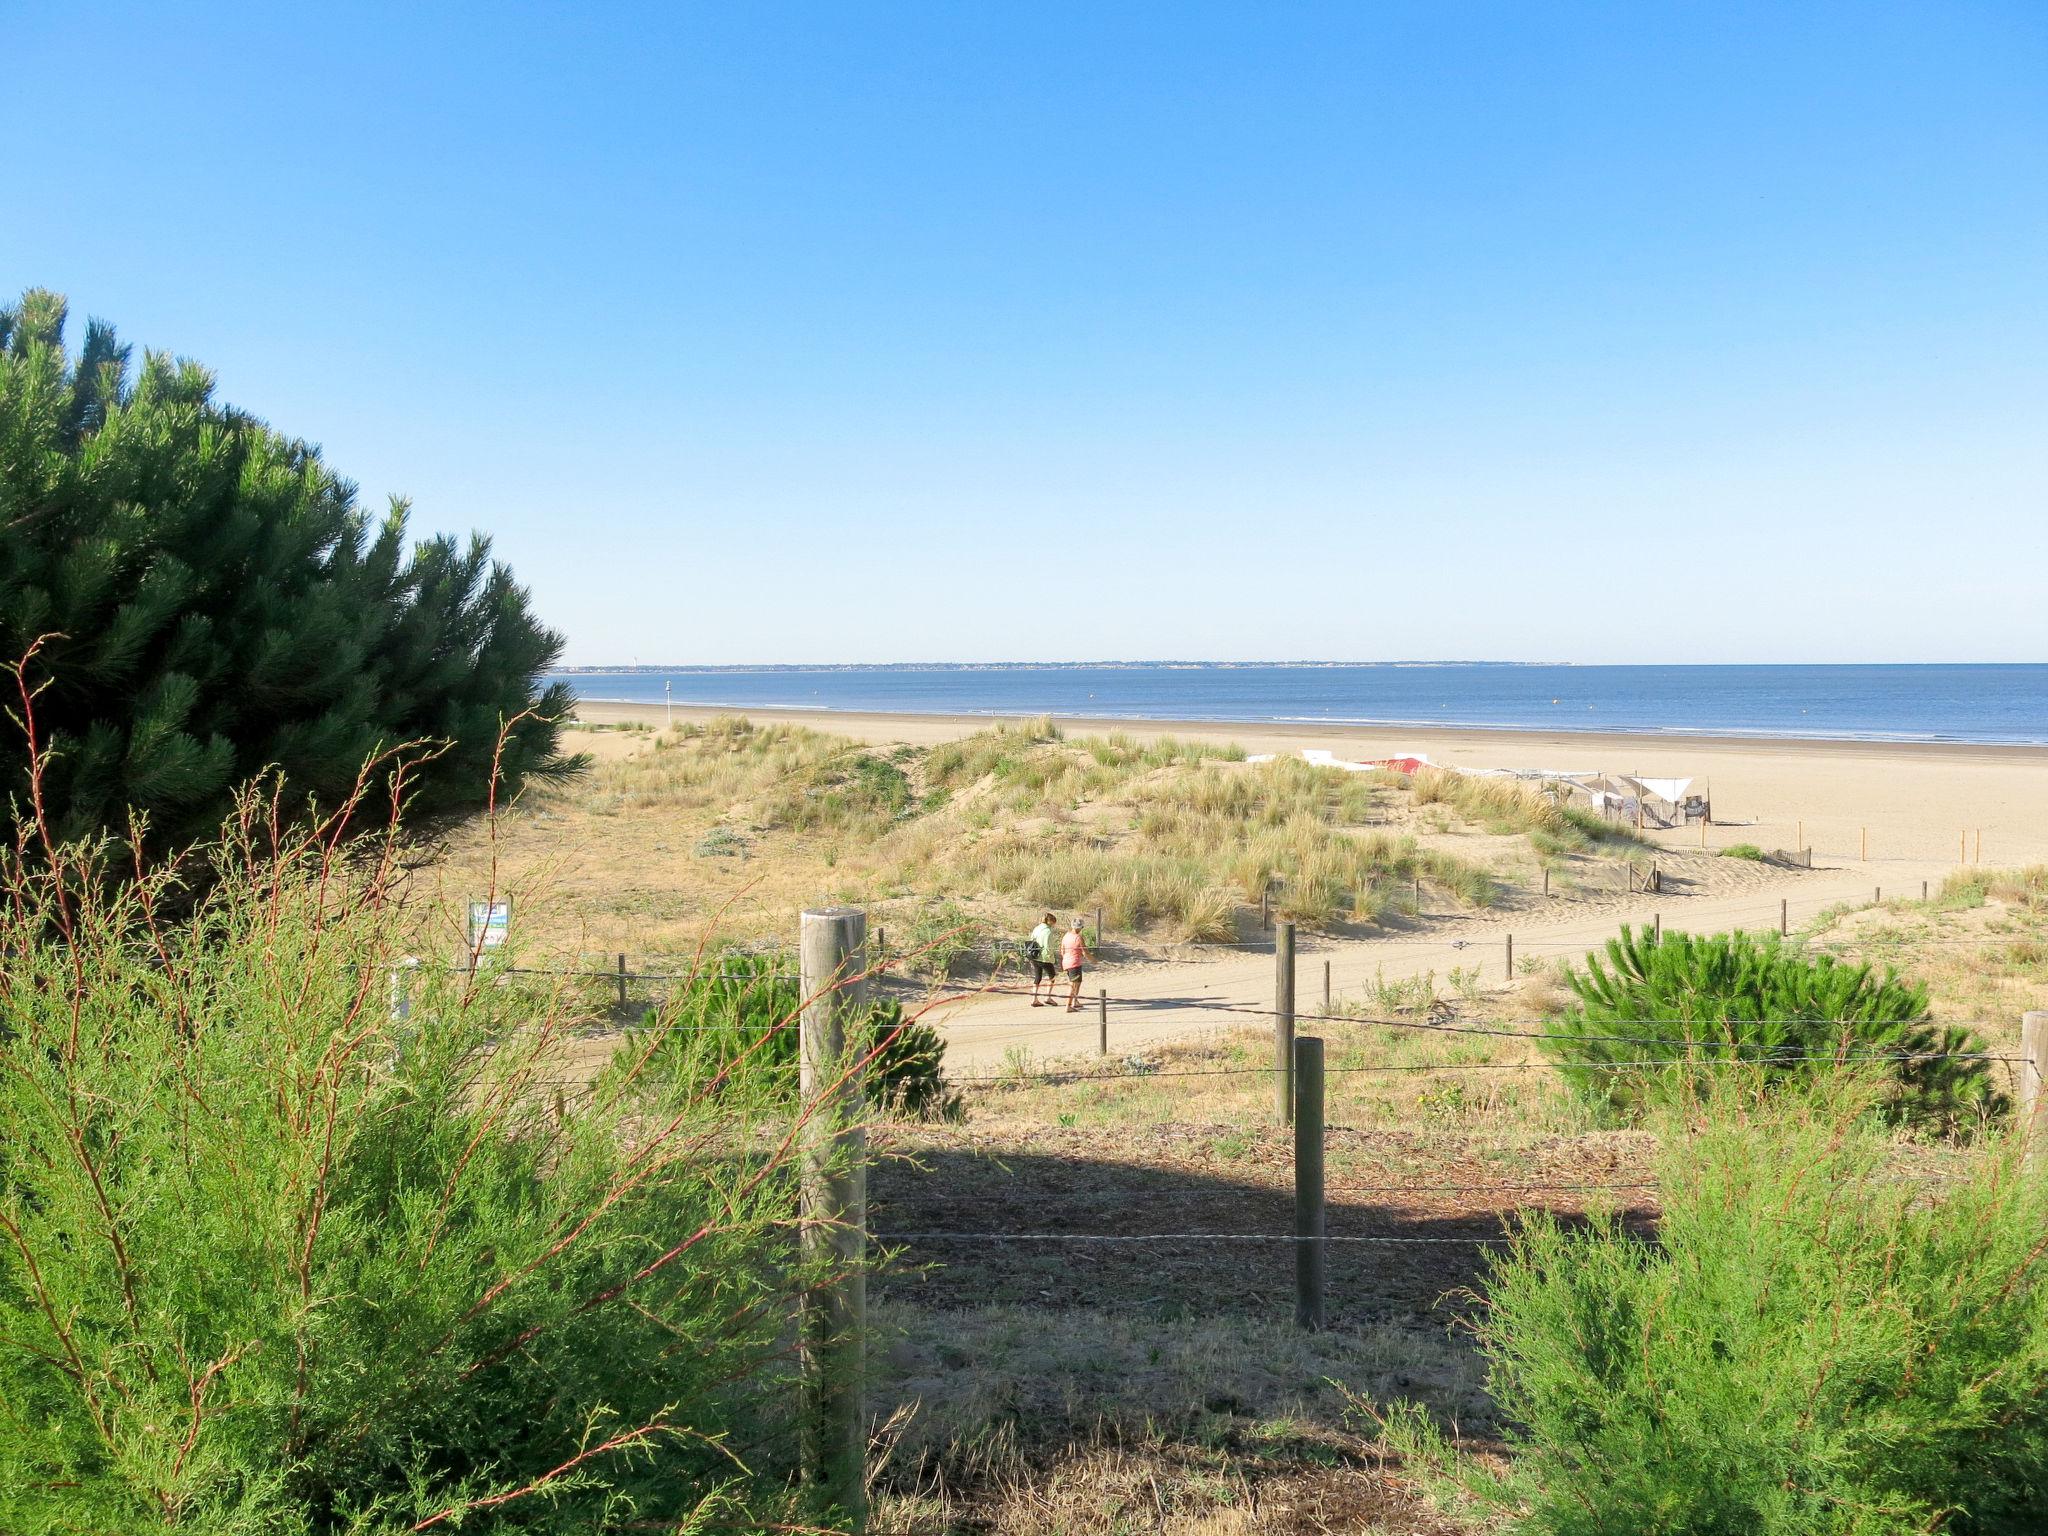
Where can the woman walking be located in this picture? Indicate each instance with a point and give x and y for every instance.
(1073, 956)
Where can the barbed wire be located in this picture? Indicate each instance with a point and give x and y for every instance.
(886, 1238)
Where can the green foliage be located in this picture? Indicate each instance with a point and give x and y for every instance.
(274, 1261)
(212, 602)
(1655, 1023)
(1812, 1346)
(1748, 851)
(743, 1008)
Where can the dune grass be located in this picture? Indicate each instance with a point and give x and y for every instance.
(1174, 840)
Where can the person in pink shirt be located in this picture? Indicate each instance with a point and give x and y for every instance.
(1073, 956)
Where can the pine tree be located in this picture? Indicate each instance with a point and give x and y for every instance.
(213, 603)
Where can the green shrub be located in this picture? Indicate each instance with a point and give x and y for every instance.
(274, 1260)
(1748, 851)
(1810, 1346)
(210, 601)
(1656, 1021)
(743, 1008)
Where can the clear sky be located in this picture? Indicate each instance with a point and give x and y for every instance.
(763, 332)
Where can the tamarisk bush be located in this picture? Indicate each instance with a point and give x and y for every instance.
(1813, 1344)
(275, 1260)
(1658, 1021)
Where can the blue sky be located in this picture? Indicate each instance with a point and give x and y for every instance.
(759, 332)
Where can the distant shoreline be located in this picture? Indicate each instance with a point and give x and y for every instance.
(1383, 738)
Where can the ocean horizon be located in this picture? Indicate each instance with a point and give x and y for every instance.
(1991, 703)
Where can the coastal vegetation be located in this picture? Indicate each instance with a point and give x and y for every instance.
(1659, 1019)
(1172, 841)
(280, 1254)
(1813, 1342)
(196, 597)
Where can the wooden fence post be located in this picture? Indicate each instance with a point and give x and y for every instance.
(1784, 917)
(622, 981)
(1511, 957)
(833, 1207)
(1309, 1211)
(1266, 905)
(1546, 879)
(1326, 986)
(2033, 1086)
(1102, 1021)
(1657, 926)
(1283, 1016)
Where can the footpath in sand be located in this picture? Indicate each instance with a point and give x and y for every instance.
(1153, 1000)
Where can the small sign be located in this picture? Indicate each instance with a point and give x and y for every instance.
(489, 924)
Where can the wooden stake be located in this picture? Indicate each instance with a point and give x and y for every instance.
(832, 1203)
(1546, 879)
(1098, 927)
(1309, 1210)
(1923, 890)
(1866, 845)
(2033, 1091)
(1283, 1016)
(1511, 957)
(622, 981)
(1784, 916)
(1326, 986)
(1102, 1021)
(1657, 926)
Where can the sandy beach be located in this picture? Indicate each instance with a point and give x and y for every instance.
(1920, 803)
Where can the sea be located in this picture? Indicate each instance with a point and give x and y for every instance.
(1986, 703)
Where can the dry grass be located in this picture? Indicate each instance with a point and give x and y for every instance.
(1980, 943)
(731, 826)
(1105, 1420)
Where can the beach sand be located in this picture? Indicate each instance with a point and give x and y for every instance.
(1921, 804)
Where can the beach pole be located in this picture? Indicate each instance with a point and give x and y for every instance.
(1098, 927)
(1784, 916)
(2033, 1079)
(1310, 1214)
(832, 1201)
(1283, 1017)
(1102, 1021)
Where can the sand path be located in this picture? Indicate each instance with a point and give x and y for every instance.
(1161, 1000)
